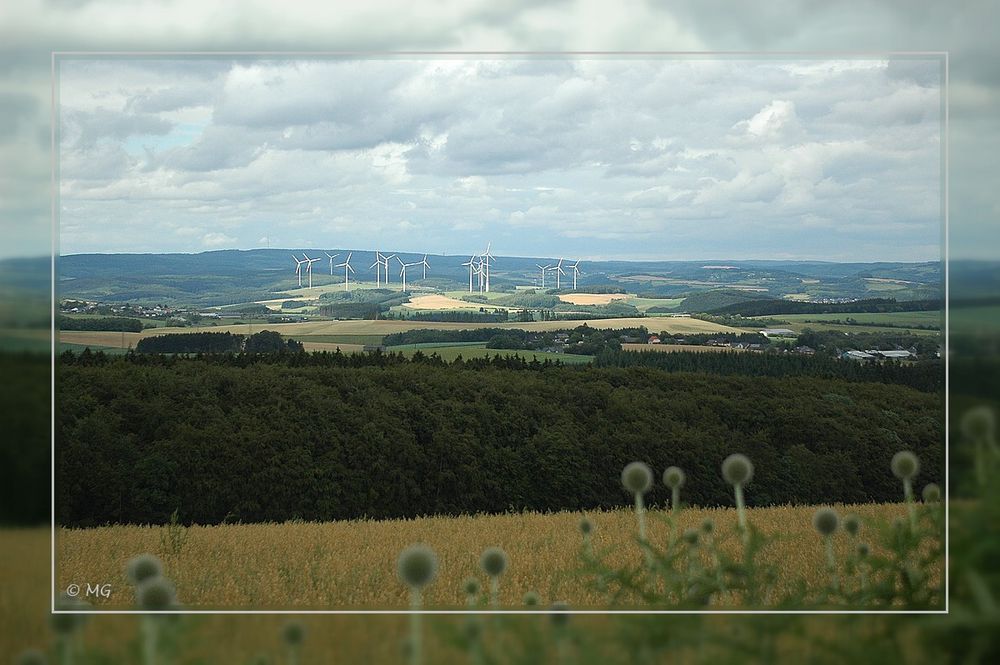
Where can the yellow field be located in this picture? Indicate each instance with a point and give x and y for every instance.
(592, 298)
(440, 302)
(668, 348)
(657, 324)
(352, 564)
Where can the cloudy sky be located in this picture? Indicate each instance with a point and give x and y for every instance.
(602, 157)
(775, 159)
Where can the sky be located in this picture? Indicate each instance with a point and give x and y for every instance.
(625, 158)
(803, 186)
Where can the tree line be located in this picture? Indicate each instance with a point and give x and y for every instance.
(113, 323)
(769, 307)
(317, 437)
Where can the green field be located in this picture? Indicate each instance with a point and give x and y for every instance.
(895, 319)
(975, 320)
(339, 339)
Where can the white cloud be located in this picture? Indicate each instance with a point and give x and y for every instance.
(215, 239)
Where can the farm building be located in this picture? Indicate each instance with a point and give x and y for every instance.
(777, 332)
(856, 355)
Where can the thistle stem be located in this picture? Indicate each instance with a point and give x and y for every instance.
(495, 592)
(150, 628)
(741, 511)
(910, 509)
(831, 563)
(415, 629)
(675, 501)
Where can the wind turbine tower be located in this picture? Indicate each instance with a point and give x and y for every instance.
(346, 265)
(309, 268)
(544, 269)
(576, 271)
(378, 269)
(402, 270)
(425, 265)
(298, 268)
(472, 269)
(487, 258)
(559, 271)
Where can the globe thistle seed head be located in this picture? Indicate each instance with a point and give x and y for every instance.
(293, 633)
(156, 594)
(905, 465)
(931, 493)
(978, 423)
(417, 566)
(707, 526)
(737, 469)
(493, 561)
(586, 526)
(673, 477)
(31, 657)
(852, 524)
(471, 586)
(691, 537)
(863, 550)
(637, 478)
(531, 599)
(143, 567)
(559, 616)
(825, 521)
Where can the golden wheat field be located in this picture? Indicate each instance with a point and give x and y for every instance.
(351, 564)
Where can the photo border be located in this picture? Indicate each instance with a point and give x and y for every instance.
(942, 56)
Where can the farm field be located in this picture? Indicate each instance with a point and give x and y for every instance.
(592, 298)
(384, 327)
(799, 326)
(901, 319)
(351, 564)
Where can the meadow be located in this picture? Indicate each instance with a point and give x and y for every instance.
(368, 329)
(351, 564)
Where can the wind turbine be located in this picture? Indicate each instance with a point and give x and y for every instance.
(385, 264)
(472, 269)
(425, 265)
(378, 269)
(576, 272)
(559, 271)
(298, 268)
(487, 257)
(544, 269)
(309, 268)
(402, 270)
(331, 257)
(346, 265)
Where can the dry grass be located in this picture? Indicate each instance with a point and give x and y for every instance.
(352, 564)
(592, 298)
(437, 301)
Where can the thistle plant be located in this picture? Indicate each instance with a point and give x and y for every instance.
(931, 493)
(494, 562)
(862, 551)
(66, 626)
(559, 618)
(674, 478)
(737, 470)
(292, 634)
(153, 594)
(852, 525)
(826, 521)
(586, 530)
(416, 567)
(637, 479)
(531, 599)
(471, 588)
(978, 425)
(143, 567)
(906, 466)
